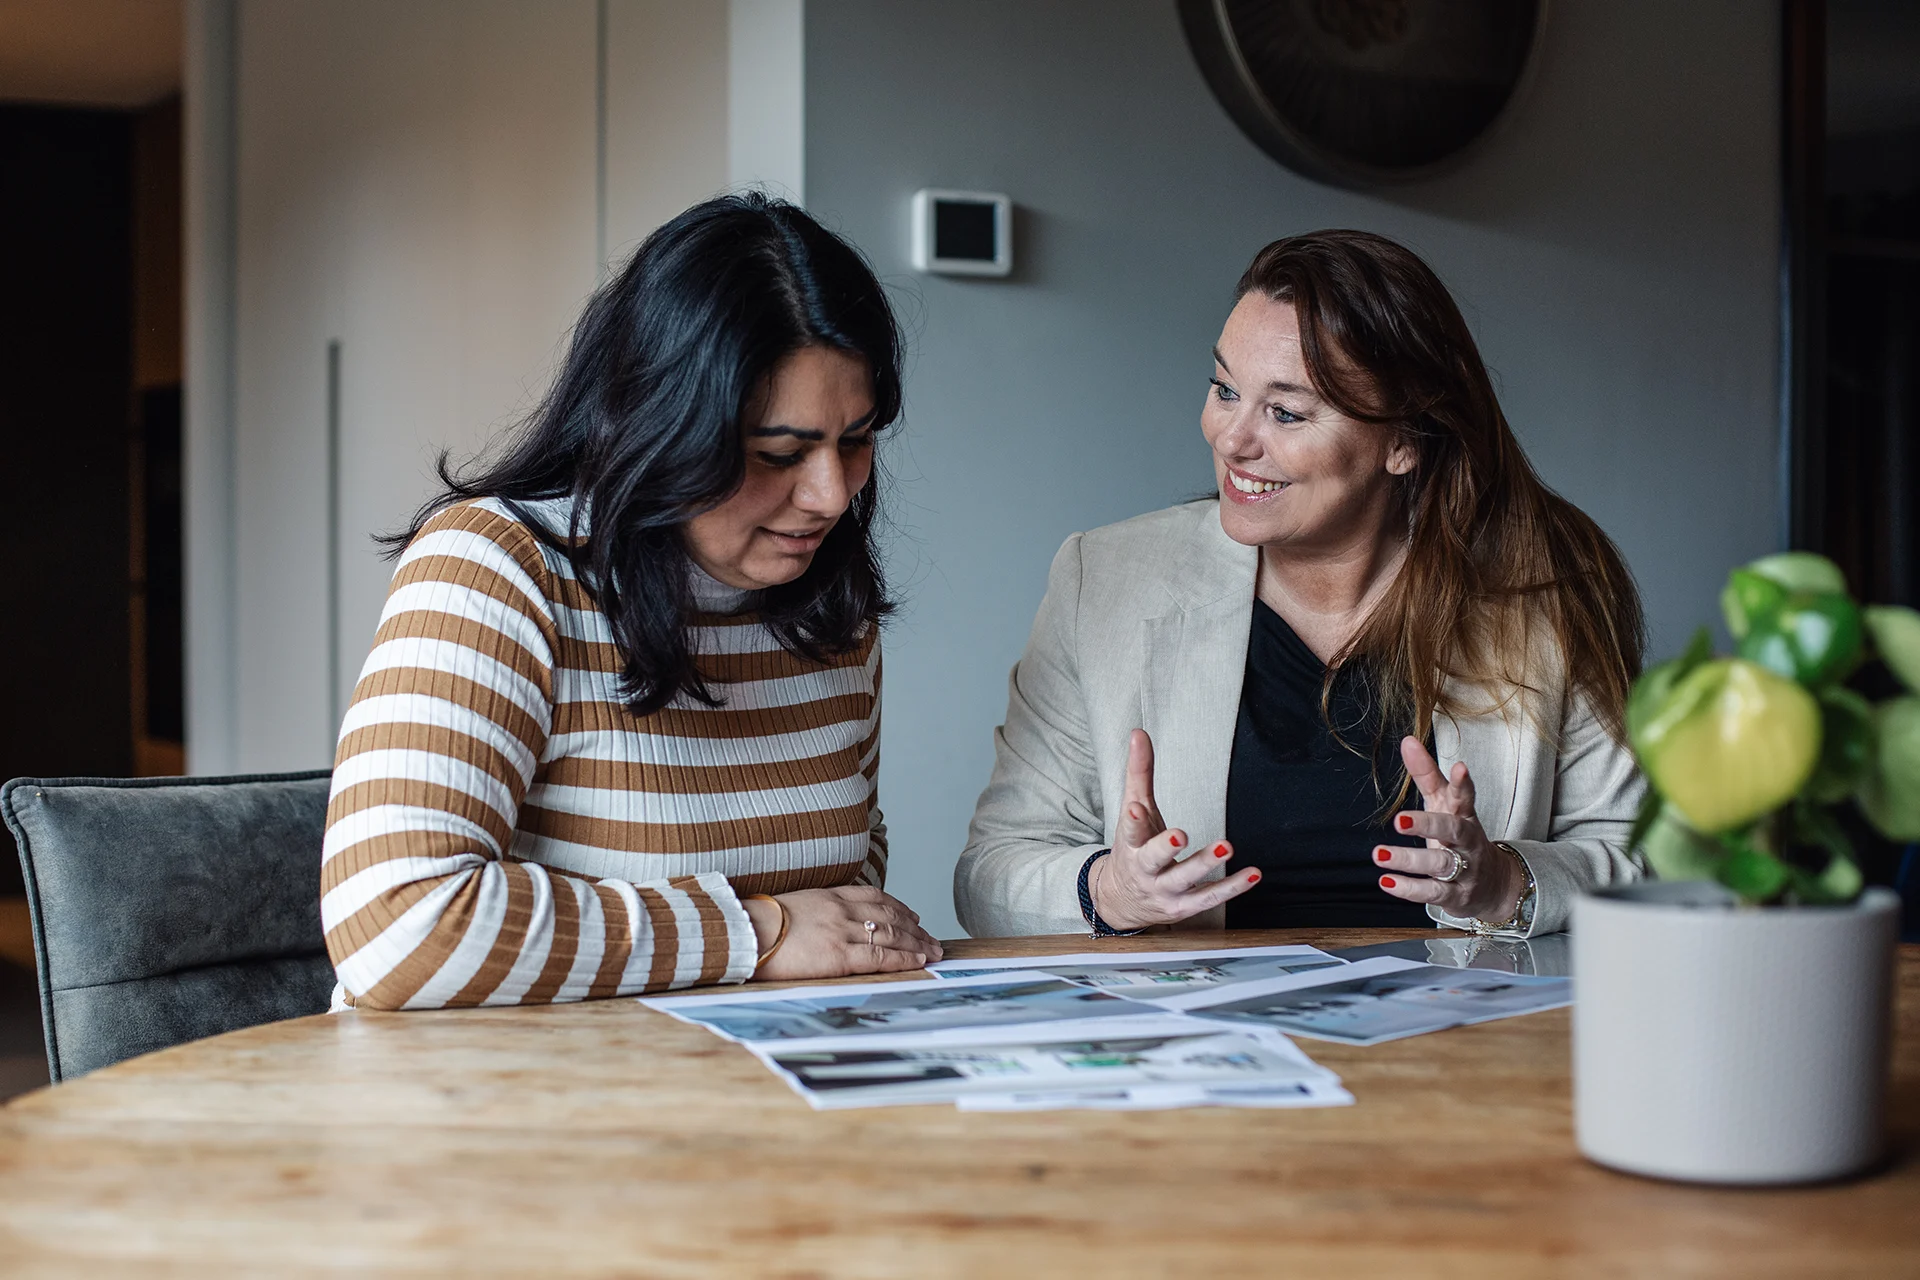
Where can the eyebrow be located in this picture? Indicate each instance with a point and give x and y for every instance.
(1271, 386)
(812, 433)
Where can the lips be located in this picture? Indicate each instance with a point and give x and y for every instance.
(806, 540)
(1251, 486)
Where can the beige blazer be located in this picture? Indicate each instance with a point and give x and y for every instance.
(1145, 625)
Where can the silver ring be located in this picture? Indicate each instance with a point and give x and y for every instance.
(1453, 872)
(871, 926)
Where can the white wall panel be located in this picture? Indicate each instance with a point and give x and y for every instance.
(766, 96)
(666, 113)
(209, 440)
(429, 184)
(418, 183)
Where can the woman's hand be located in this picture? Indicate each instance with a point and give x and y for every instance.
(1139, 883)
(827, 934)
(1488, 887)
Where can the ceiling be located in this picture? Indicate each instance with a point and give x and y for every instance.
(100, 53)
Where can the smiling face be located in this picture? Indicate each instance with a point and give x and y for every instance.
(809, 444)
(1294, 472)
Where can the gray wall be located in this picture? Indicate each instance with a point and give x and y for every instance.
(1613, 247)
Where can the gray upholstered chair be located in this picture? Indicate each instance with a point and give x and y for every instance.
(167, 909)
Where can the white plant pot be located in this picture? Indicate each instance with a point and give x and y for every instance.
(1715, 1043)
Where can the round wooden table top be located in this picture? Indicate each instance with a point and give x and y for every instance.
(602, 1138)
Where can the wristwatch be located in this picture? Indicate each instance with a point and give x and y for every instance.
(1521, 921)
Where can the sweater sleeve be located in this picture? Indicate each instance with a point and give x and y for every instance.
(423, 904)
(874, 871)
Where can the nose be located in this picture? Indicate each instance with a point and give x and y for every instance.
(822, 489)
(1237, 439)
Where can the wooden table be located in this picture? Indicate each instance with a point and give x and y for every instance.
(604, 1139)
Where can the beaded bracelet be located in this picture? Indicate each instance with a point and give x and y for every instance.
(779, 937)
(1101, 929)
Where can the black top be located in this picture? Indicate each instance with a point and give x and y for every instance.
(1303, 807)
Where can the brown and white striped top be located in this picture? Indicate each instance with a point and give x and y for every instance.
(503, 830)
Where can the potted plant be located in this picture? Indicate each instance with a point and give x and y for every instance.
(1733, 1015)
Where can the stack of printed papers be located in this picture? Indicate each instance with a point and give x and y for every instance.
(1111, 1031)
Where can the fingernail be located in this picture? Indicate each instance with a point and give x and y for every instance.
(1220, 851)
(1386, 882)
(1175, 840)
(1405, 821)
(1137, 813)
(922, 959)
(1381, 855)
(1253, 877)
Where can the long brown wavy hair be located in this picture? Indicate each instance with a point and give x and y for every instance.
(1497, 563)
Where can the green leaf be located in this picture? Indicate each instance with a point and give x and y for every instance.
(1846, 745)
(1651, 690)
(1813, 827)
(1800, 571)
(1732, 742)
(1676, 851)
(1890, 790)
(1650, 806)
(1842, 881)
(1753, 873)
(1896, 636)
(1816, 639)
(1747, 599)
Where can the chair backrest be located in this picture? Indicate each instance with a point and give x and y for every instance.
(167, 909)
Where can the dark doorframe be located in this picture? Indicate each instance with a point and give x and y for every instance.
(1803, 323)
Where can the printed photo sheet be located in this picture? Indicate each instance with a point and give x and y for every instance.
(868, 1075)
(1155, 975)
(1281, 1094)
(1372, 1001)
(956, 1009)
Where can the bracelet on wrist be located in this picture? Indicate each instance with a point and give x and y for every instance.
(1100, 928)
(779, 937)
(1521, 920)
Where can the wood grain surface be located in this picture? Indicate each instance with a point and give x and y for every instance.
(604, 1139)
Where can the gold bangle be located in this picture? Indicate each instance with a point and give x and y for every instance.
(779, 937)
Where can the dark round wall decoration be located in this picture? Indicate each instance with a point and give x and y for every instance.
(1363, 92)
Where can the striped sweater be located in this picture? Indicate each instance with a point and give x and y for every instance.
(503, 830)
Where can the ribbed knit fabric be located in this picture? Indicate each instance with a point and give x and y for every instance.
(502, 830)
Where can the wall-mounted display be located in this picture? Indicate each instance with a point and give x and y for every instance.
(1363, 92)
(962, 233)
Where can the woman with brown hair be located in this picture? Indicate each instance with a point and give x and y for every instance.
(1383, 599)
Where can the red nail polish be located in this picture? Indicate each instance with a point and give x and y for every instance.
(1175, 840)
(1381, 855)
(1406, 821)
(1386, 882)
(1253, 877)
(1219, 851)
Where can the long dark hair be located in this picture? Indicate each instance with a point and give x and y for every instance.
(642, 429)
(1497, 562)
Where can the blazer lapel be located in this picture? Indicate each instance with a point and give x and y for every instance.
(1195, 661)
(1491, 745)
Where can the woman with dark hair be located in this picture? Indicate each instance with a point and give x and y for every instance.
(1383, 598)
(620, 725)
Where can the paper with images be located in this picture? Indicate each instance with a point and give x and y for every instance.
(953, 1009)
(905, 1072)
(1277, 1096)
(1372, 1001)
(1154, 975)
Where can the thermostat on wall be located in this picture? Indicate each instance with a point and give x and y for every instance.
(962, 233)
